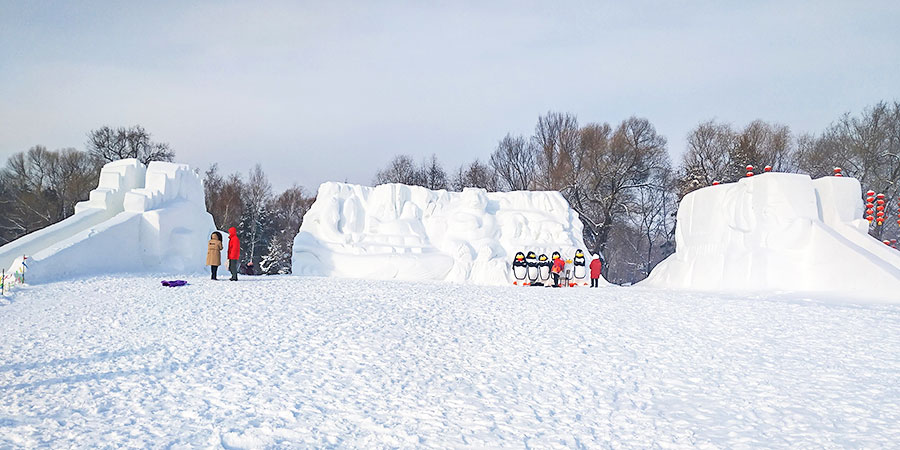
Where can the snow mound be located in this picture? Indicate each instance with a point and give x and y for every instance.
(394, 231)
(139, 218)
(779, 231)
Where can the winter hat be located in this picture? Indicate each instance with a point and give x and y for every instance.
(596, 256)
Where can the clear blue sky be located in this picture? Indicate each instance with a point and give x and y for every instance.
(331, 90)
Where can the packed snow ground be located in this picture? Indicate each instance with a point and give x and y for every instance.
(296, 361)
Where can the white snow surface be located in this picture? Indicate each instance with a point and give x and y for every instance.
(779, 232)
(324, 362)
(138, 219)
(395, 231)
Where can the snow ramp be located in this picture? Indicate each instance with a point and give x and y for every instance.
(779, 232)
(140, 218)
(395, 231)
(116, 178)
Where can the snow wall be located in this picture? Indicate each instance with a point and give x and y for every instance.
(394, 231)
(140, 218)
(779, 232)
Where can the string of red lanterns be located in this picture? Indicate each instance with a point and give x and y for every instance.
(870, 205)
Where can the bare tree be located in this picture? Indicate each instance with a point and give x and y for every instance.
(634, 154)
(866, 147)
(651, 212)
(433, 175)
(514, 162)
(107, 144)
(401, 169)
(477, 175)
(42, 188)
(708, 156)
(718, 153)
(224, 197)
(556, 136)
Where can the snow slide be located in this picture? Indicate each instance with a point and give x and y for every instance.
(116, 178)
(394, 231)
(139, 218)
(779, 231)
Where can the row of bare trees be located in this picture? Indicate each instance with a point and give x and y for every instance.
(431, 174)
(40, 187)
(625, 188)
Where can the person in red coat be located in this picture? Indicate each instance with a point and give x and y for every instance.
(556, 269)
(596, 267)
(234, 252)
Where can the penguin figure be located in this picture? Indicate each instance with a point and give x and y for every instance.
(531, 260)
(544, 267)
(520, 267)
(580, 271)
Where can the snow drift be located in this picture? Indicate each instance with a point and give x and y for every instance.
(139, 218)
(394, 231)
(779, 231)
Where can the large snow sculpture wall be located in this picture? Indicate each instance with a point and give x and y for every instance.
(779, 231)
(394, 231)
(138, 219)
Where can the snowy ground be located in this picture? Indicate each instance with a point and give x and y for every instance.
(290, 361)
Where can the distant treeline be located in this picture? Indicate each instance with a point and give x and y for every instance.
(624, 186)
(620, 179)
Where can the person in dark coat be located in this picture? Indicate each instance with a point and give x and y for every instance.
(214, 253)
(596, 267)
(234, 252)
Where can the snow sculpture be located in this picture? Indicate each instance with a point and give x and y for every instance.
(116, 178)
(779, 231)
(394, 231)
(138, 219)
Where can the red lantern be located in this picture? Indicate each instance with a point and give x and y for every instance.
(870, 205)
(886, 242)
(837, 172)
(749, 174)
(879, 214)
(870, 218)
(870, 199)
(870, 193)
(870, 212)
(879, 202)
(715, 183)
(879, 208)
(881, 196)
(767, 169)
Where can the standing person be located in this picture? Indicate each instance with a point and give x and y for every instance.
(214, 253)
(234, 252)
(596, 267)
(559, 265)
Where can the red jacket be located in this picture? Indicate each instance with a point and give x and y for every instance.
(596, 267)
(558, 265)
(234, 245)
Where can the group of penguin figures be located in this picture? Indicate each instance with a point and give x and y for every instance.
(534, 270)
